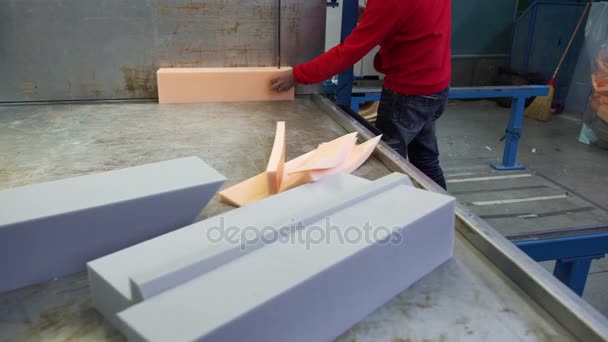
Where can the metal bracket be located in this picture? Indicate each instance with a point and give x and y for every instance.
(344, 92)
(573, 272)
(512, 133)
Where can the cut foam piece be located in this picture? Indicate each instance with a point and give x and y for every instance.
(276, 162)
(328, 155)
(110, 276)
(248, 191)
(53, 229)
(258, 187)
(354, 160)
(302, 291)
(238, 84)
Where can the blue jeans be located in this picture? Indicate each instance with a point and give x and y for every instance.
(408, 125)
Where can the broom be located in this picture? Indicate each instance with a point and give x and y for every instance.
(540, 108)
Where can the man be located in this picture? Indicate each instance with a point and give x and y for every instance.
(414, 38)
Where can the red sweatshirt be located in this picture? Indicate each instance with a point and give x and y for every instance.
(414, 38)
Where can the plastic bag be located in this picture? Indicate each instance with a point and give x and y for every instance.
(595, 121)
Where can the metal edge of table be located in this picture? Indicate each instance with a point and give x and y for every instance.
(571, 311)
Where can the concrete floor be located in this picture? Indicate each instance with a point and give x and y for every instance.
(572, 176)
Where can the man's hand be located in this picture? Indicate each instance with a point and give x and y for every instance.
(283, 82)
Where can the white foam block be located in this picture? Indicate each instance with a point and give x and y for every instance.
(141, 271)
(294, 292)
(52, 229)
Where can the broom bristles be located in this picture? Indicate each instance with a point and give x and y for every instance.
(540, 108)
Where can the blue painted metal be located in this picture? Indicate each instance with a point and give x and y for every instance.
(329, 87)
(538, 28)
(563, 3)
(459, 93)
(503, 167)
(574, 255)
(519, 43)
(359, 99)
(566, 247)
(513, 130)
(531, 31)
(515, 30)
(540, 38)
(350, 13)
(573, 273)
(512, 136)
(466, 93)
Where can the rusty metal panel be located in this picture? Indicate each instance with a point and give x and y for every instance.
(110, 49)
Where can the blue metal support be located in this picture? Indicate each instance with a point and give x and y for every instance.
(519, 94)
(531, 31)
(573, 273)
(574, 255)
(459, 93)
(350, 14)
(512, 135)
(570, 247)
(356, 101)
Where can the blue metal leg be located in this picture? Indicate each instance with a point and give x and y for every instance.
(573, 273)
(350, 13)
(356, 101)
(512, 135)
(573, 254)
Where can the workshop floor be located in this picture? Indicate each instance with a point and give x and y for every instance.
(563, 186)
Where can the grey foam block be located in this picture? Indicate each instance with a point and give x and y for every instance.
(52, 229)
(171, 259)
(184, 264)
(297, 290)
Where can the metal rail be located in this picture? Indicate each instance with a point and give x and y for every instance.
(519, 94)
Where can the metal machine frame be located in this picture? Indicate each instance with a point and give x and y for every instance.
(519, 94)
(573, 254)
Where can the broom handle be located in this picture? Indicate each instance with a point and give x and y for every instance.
(578, 26)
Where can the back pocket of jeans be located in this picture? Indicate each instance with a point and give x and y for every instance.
(415, 113)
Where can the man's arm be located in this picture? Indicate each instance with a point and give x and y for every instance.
(378, 21)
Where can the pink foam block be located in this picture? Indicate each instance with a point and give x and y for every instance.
(191, 85)
(276, 162)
